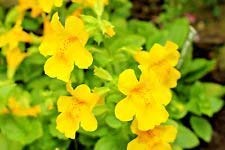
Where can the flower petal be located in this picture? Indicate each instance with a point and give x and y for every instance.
(172, 53)
(83, 93)
(125, 110)
(82, 57)
(137, 144)
(65, 103)
(75, 27)
(142, 57)
(161, 146)
(168, 133)
(46, 5)
(56, 24)
(67, 124)
(49, 45)
(151, 115)
(162, 95)
(88, 120)
(127, 81)
(59, 66)
(58, 3)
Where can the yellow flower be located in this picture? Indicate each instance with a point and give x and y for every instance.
(162, 60)
(24, 5)
(108, 29)
(38, 6)
(145, 99)
(18, 110)
(155, 139)
(14, 58)
(90, 3)
(66, 47)
(47, 5)
(14, 36)
(76, 110)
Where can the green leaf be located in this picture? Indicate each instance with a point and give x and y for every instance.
(113, 122)
(23, 130)
(186, 138)
(214, 89)
(6, 144)
(30, 24)
(5, 90)
(176, 108)
(11, 16)
(216, 104)
(102, 73)
(201, 127)
(99, 110)
(181, 25)
(110, 142)
(202, 103)
(196, 69)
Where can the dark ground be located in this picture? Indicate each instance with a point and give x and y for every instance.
(210, 43)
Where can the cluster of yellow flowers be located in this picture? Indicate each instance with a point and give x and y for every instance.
(146, 99)
(64, 45)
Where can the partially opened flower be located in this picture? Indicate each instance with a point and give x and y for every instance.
(14, 58)
(15, 35)
(155, 139)
(18, 109)
(76, 110)
(66, 46)
(161, 60)
(145, 99)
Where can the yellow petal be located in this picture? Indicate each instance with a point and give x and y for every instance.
(83, 93)
(168, 133)
(49, 45)
(36, 11)
(161, 146)
(67, 124)
(56, 24)
(136, 144)
(172, 53)
(142, 57)
(58, 3)
(167, 55)
(88, 120)
(125, 110)
(162, 95)
(157, 54)
(151, 115)
(46, 5)
(127, 81)
(82, 57)
(14, 58)
(65, 103)
(59, 66)
(169, 76)
(75, 27)
(134, 126)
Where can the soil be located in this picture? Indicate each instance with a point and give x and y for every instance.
(210, 44)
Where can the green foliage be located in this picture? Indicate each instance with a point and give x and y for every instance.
(186, 138)
(201, 127)
(22, 130)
